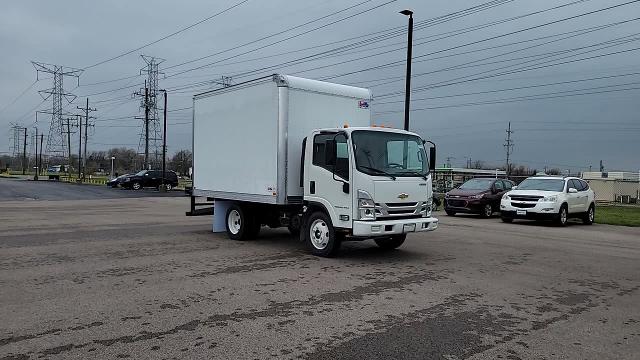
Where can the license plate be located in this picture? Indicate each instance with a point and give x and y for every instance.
(521, 212)
(409, 228)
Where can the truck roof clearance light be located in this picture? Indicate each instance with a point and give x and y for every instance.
(346, 126)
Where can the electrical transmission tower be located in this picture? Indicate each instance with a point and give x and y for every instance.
(150, 143)
(56, 144)
(508, 145)
(14, 139)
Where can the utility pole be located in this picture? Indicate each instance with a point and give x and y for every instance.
(24, 153)
(146, 127)
(68, 125)
(86, 109)
(601, 166)
(509, 146)
(35, 177)
(40, 157)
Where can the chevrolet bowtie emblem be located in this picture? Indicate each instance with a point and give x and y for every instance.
(403, 196)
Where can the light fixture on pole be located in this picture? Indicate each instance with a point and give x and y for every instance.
(407, 95)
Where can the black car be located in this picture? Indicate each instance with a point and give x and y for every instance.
(117, 181)
(477, 196)
(150, 178)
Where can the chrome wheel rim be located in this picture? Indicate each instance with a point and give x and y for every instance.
(234, 222)
(319, 234)
(591, 215)
(488, 211)
(563, 216)
(136, 186)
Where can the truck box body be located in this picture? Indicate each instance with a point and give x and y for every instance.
(247, 138)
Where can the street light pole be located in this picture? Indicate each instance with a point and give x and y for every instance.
(112, 158)
(407, 95)
(164, 142)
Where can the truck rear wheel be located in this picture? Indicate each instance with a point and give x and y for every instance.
(240, 224)
(392, 242)
(320, 235)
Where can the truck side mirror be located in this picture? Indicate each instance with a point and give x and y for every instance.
(432, 159)
(330, 152)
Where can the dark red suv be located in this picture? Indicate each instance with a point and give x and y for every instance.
(476, 196)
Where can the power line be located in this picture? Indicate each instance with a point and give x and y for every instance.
(167, 36)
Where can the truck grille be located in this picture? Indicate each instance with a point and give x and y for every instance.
(400, 210)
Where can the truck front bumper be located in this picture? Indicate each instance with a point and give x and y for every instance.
(391, 227)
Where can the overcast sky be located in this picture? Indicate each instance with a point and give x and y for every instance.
(464, 93)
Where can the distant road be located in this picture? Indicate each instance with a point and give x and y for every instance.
(12, 189)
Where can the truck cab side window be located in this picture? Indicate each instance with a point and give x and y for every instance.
(341, 166)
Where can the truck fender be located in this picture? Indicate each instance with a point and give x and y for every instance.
(320, 205)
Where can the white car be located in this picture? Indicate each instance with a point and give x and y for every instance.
(549, 198)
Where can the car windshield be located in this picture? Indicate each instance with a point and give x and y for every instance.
(542, 184)
(390, 153)
(477, 184)
(140, 173)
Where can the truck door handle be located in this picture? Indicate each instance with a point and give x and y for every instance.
(312, 187)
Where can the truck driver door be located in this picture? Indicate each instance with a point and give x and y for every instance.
(327, 179)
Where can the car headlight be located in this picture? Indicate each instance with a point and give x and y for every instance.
(366, 206)
(479, 196)
(446, 195)
(505, 197)
(552, 198)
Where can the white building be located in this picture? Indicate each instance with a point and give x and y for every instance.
(614, 186)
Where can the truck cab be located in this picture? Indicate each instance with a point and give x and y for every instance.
(365, 182)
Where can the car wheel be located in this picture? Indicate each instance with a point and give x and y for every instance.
(590, 216)
(239, 223)
(487, 211)
(320, 235)
(562, 216)
(507, 220)
(136, 186)
(392, 242)
(450, 213)
(168, 187)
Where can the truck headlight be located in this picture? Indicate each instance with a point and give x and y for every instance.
(552, 198)
(366, 206)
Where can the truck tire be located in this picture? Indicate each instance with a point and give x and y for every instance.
(239, 223)
(320, 235)
(392, 242)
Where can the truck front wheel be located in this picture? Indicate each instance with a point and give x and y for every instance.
(320, 235)
(240, 224)
(392, 242)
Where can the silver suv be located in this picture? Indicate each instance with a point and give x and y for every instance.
(549, 198)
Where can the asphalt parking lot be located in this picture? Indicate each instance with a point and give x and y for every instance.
(134, 278)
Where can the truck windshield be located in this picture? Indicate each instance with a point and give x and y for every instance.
(396, 154)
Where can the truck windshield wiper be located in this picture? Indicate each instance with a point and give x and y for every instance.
(415, 173)
(379, 171)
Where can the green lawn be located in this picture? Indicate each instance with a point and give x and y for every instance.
(618, 215)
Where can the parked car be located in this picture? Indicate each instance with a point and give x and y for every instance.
(476, 196)
(549, 198)
(150, 178)
(117, 181)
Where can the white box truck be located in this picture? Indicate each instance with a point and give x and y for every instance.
(288, 151)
